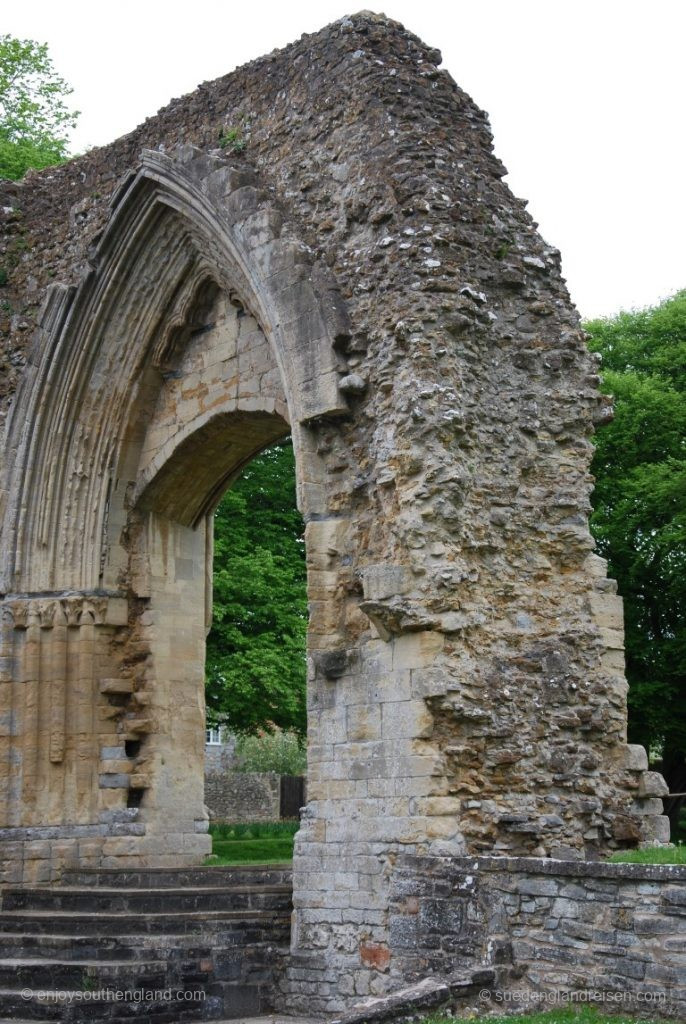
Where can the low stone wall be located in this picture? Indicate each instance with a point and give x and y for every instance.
(243, 796)
(556, 931)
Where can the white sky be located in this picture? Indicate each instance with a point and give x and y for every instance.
(586, 100)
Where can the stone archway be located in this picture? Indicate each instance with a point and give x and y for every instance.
(360, 275)
(175, 362)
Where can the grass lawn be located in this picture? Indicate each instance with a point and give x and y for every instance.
(566, 1015)
(655, 855)
(259, 843)
(251, 851)
(271, 841)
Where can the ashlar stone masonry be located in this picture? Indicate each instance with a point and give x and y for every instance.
(359, 276)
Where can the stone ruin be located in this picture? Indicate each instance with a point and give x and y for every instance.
(319, 244)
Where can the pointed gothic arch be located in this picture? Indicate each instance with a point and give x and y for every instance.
(195, 340)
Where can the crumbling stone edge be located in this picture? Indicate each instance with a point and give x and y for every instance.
(428, 994)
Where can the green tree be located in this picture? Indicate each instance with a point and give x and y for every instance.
(34, 118)
(639, 517)
(256, 667)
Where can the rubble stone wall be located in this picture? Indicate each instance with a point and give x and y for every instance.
(613, 935)
(243, 796)
(358, 274)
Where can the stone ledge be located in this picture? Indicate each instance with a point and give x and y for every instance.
(551, 866)
(32, 832)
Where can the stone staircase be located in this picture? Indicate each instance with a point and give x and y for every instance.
(169, 946)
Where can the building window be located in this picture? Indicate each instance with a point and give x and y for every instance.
(213, 735)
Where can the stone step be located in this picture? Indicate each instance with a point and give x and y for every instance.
(16, 1007)
(271, 1018)
(68, 992)
(101, 900)
(132, 947)
(225, 924)
(95, 947)
(179, 878)
(44, 973)
(220, 942)
(239, 1002)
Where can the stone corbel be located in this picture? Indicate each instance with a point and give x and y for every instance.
(19, 611)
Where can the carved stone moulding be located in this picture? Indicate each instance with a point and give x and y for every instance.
(72, 610)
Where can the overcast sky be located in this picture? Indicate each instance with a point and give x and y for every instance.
(586, 100)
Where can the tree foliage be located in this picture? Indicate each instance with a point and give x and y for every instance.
(639, 517)
(256, 667)
(34, 118)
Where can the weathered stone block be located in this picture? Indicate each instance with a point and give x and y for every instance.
(416, 650)
(112, 753)
(364, 723)
(655, 829)
(635, 758)
(385, 581)
(538, 887)
(116, 686)
(118, 780)
(652, 784)
(447, 805)
(651, 806)
(406, 719)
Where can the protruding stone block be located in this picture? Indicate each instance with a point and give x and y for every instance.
(138, 726)
(655, 830)
(650, 806)
(115, 780)
(384, 581)
(115, 686)
(635, 758)
(140, 780)
(652, 784)
(112, 753)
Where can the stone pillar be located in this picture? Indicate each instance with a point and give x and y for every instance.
(71, 728)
